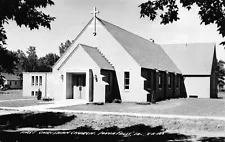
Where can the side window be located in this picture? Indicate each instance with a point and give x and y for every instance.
(40, 80)
(32, 80)
(36, 80)
(32, 93)
(169, 80)
(126, 80)
(160, 80)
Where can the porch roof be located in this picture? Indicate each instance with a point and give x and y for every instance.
(97, 57)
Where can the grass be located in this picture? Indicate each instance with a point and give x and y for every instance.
(14, 98)
(192, 106)
(22, 103)
(12, 94)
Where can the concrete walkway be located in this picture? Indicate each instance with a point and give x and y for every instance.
(55, 104)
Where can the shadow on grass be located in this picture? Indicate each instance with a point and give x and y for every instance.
(140, 132)
(35, 120)
(212, 139)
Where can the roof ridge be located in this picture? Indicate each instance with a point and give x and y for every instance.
(126, 31)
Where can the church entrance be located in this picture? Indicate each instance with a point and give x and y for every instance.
(78, 85)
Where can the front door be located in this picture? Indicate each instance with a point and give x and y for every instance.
(79, 84)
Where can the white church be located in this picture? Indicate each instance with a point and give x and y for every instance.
(106, 62)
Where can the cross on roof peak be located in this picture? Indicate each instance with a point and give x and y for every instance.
(94, 12)
(94, 16)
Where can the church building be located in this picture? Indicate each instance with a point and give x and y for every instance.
(106, 62)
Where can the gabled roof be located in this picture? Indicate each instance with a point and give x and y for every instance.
(98, 57)
(146, 53)
(10, 76)
(192, 59)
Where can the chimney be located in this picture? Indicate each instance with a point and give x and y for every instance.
(152, 40)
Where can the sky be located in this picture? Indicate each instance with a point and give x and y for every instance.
(73, 15)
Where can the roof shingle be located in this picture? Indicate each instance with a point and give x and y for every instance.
(193, 58)
(98, 57)
(146, 53)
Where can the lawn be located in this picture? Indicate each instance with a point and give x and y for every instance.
(14, 98)
(12, 94)
(190, 106)
(72, 127)
(23, 103)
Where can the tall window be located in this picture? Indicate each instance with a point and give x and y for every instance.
(32, 93)
(160, 80)
(126, 80)
(40, 80)
(36, 80)
(32, 80)
(169, 80)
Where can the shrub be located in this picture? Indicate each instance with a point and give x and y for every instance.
(117, 101)
(47, 99)
(39, 94)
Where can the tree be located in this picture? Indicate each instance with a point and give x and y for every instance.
(210, 12)
(32, 63)
(24, 12)
(64, 46)
(221, 72)
(22, 65)
(8, 61)
(45, 63)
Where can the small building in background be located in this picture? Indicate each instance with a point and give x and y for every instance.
(13, 81)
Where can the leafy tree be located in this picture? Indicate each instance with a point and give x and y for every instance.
(210, 12)
(64, 46)
(32, 63)
(221, 72)
(8, 61)
(45, 63)
(24, 12)
(22, 65)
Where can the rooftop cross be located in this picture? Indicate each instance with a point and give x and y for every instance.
(94, 16)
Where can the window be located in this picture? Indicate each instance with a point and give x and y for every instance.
(36, 93)
(36, 80)
(169, 80)
(15, 82)
(10, 83)
(32, 93)
(160, 80)
(126, 80)
(40, 80)
(32, 80)
(178, 81)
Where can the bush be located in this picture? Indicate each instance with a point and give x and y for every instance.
(117, 101)
(143, 103)
(47, 99)
(39, 94)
